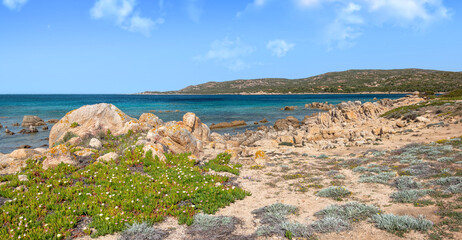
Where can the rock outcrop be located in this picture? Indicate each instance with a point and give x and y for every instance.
(236, 123)
(176, 137)
(196, 127)
(285, 124)
(57, 155)
(30, 120)
(150, 120)
(318, 105)
(90, 120)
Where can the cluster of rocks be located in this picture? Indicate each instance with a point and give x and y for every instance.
(318, 105)
(29, 124)
(347, 124)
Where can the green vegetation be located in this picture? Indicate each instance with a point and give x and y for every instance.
(351, 81)
(74, 125)
(221, 164)
(408, 196)
(52, 202)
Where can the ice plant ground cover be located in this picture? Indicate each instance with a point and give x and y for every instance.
(52, 202)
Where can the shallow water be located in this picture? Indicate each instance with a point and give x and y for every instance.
(209, 108)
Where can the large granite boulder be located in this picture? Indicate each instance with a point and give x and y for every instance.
(90, 120)
(150, 120)
(23, 153)
(196, 127)
(176, 137)
(30, 120)
(235, 123)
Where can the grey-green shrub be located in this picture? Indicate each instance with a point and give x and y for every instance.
(334, 192)
(349, 211)
(407, 196)
(447, 181)
(331, 224)
(455, 188)
(405, 223)
(274, 221)
(336, 218)
(205, 222)
(406, 183)
(382, 177)
(445, 159)
(142, 231)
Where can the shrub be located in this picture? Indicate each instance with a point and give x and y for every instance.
(383, 178)
(455, 188)
(407, 196)
(393, 223)
(142, 231)
(274, 221)
(212, 227)
(331, 224)
(334, 192)
(447, 181)
(74, 125)
(406, 183)
(336, 218)
(339, 176)
(445, 159)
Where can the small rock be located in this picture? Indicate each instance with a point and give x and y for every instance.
(422, 119)
(53, 121)
(45, 128)
(289, 108)
(15, 125)
(263, 120)
(24, 146)
(30, 120)
(95, 143)
(33, 129)
(23, 178)
(108, 157)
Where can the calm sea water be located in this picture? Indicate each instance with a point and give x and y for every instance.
(209, 108)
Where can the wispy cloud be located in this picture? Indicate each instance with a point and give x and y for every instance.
(342, 32)
(14, 4)
(194, 9)
(252, 5)
(351, 16)
(123, 14)
(307, 3)
(279, 47)
(229, 53)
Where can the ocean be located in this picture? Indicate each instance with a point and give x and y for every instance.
(209, 108)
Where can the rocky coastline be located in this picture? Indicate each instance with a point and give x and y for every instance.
(278, 163)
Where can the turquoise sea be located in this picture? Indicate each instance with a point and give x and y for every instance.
(209, 108)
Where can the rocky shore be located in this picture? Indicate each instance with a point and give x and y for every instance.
(279, 163)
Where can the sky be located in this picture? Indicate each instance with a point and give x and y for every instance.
(129, 46)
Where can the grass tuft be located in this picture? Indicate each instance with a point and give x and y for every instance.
(142, 231)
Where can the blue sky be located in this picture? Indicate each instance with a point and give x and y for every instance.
(127, 46)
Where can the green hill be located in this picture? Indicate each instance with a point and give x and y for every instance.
(351, 81)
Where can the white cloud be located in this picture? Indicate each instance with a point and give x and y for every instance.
(352, 16)
(345, 28)
(410, 11)
(279, 47)
(122, 13)
(194, 10)
(228, 53)
(253, 5)
(307, 3)
(14, 4)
